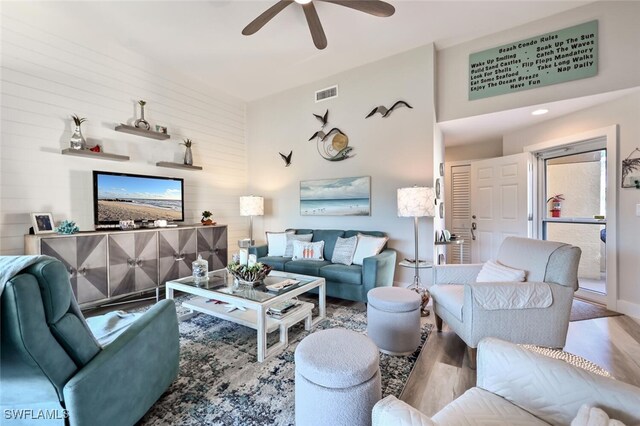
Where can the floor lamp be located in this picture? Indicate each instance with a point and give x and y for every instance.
(251, 206)
(417, 202)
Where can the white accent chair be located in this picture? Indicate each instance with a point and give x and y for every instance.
(518, 387)
(535, 312)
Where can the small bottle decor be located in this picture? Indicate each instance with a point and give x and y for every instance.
(67, 227)
(77, 140)
(141, 123)
(188, 156)
(200, 269)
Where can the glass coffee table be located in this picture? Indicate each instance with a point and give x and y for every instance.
(248, 306)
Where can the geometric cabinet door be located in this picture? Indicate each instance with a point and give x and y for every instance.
(85, 257)
(177, 250)
(212, 246)
(133, 262)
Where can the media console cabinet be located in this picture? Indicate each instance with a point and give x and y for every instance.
(107, 265)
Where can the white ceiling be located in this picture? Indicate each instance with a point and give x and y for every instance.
(487, 127)
(202, 39)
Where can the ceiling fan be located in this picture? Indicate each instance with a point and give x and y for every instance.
(372, 7)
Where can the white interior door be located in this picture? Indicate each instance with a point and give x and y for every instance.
(500, 203)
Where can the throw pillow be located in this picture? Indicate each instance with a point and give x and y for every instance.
(494, 272)
(277, 243)
(288, 252)
(593, 416)
(368, 246)
(308, 251)
(344, 250)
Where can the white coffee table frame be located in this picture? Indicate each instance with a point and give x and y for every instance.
(255, 316)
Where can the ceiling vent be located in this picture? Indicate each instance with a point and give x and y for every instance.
(328, 93)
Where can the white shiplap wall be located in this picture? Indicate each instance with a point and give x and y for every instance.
(49, 73)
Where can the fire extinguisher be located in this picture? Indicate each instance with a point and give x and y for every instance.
(556, 204)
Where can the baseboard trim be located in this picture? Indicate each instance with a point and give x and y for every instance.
(628, 308)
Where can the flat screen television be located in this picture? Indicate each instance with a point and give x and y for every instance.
(123, 196)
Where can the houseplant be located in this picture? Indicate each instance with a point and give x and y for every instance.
(249, 275)
(206, 218)
(188, 156)
(77, 140)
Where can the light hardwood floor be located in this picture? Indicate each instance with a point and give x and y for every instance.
(442, 371)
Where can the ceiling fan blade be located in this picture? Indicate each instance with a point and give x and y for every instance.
(265, 17)
(372, 7)
(317, 33)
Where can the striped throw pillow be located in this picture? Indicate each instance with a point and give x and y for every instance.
(344, 250)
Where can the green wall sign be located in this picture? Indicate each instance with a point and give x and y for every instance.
(565, 55)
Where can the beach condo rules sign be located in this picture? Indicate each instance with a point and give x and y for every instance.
(565, 55)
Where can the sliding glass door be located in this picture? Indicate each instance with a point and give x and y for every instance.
(575, 183)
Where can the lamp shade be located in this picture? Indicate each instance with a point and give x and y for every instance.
(416, 201)
(251, 205)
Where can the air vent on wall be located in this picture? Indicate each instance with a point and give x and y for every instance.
(328, 93)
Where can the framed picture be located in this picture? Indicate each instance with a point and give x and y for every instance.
(438, 189)
(336, 197)
(441, 169)
(42, 223)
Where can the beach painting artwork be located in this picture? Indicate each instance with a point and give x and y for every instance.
(122, 197)
(336, 197)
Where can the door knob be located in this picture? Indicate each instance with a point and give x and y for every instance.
(474, 226)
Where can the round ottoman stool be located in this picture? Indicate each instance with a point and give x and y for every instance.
(337, 379)
(393, 319)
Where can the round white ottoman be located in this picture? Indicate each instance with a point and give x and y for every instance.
(337, 379)
(393, 319)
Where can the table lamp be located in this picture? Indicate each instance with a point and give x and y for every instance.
(251, 206)
(416, 202)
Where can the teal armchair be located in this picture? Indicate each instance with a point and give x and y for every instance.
(52, 366)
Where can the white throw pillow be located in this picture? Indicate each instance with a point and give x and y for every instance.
(593, 416)
(368, 246)
(277, 242)
(308, 251)
(344, 250)
(288, 252)
(494, 272)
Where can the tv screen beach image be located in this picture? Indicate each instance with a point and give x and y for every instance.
(336, 197)
(138, 198)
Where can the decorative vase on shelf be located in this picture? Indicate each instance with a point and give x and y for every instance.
(77, 141)
(141, 123)
(188, 155)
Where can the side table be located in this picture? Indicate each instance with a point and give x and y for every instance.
(459, 242)
(423, 292)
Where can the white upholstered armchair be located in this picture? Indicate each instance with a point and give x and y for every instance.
(535, 311)
(518, 387)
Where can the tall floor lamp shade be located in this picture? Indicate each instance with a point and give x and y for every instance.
(416, 202)
(251, 206)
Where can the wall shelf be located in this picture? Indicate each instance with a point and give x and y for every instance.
(177, 165)
(125, 128)
(91, 154)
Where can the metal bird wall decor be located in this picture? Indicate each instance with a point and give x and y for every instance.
(331, 148)
(286, 158)
(384, 112)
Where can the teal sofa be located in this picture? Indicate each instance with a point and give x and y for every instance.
(52, 366)
(345, 282)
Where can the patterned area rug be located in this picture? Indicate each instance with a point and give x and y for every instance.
(221, 383)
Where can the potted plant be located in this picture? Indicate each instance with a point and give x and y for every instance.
(556, 204)
(206, 218)
(188, 156)
(77, 140)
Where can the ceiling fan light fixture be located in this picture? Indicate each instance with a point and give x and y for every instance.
(302, 1)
